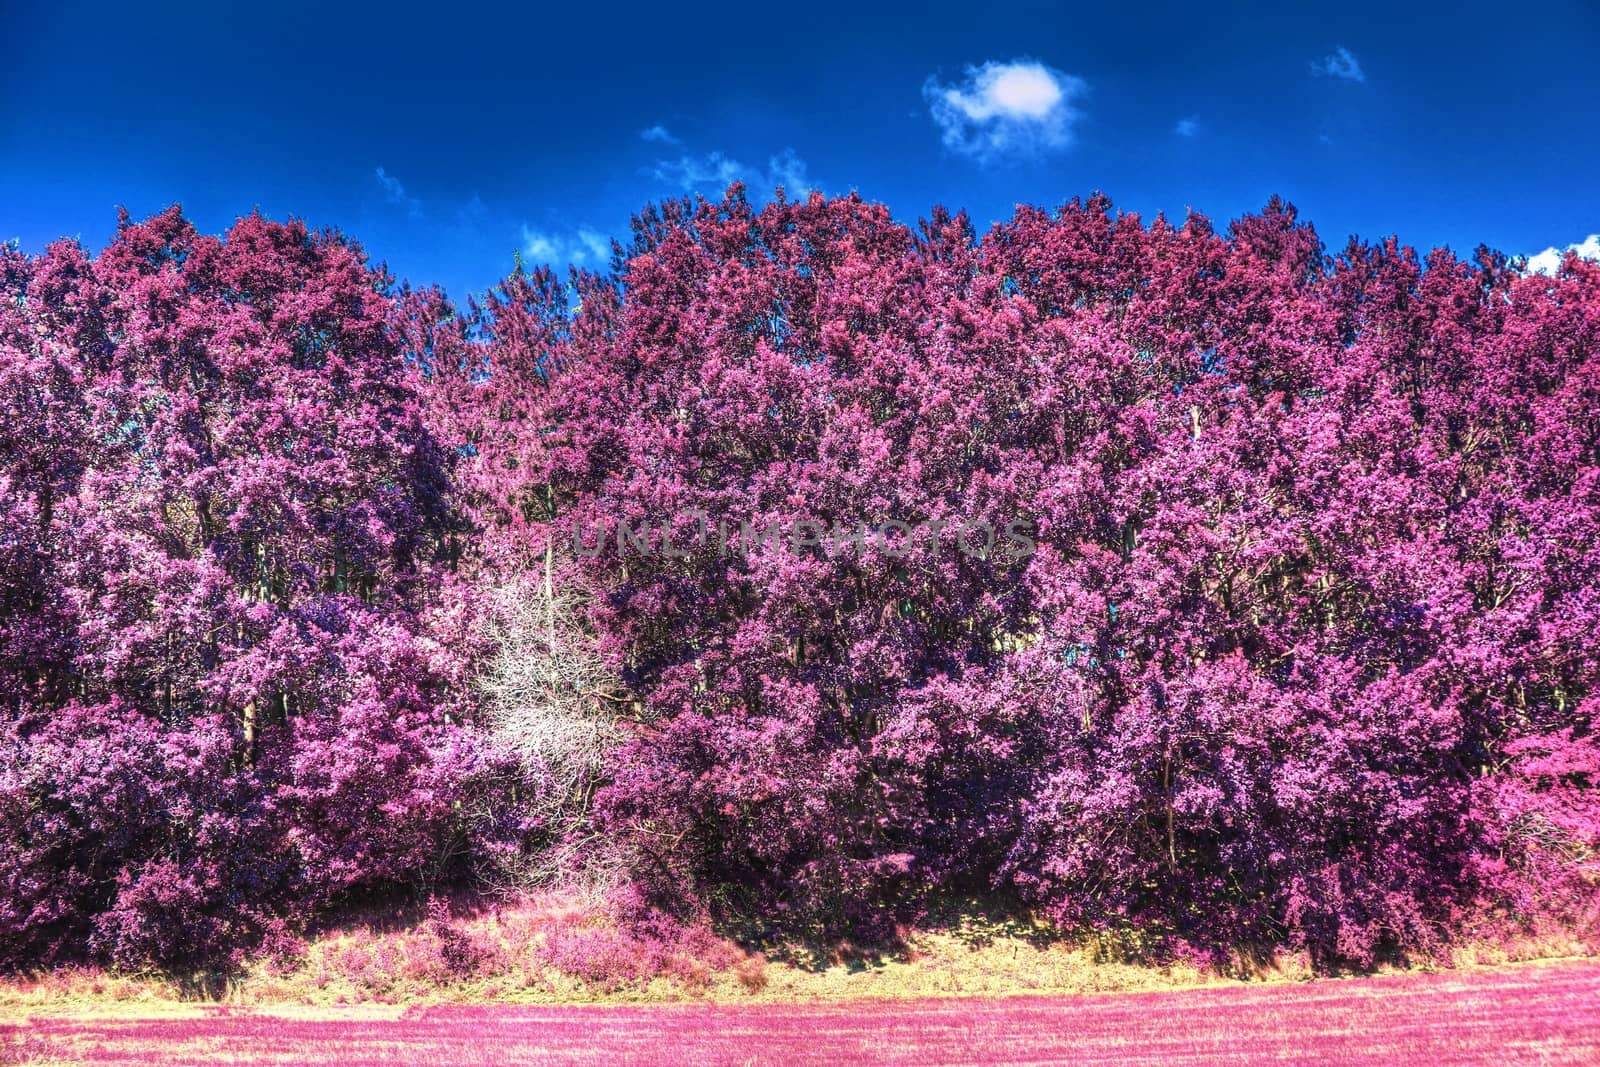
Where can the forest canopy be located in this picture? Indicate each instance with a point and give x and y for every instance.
(1302, 655)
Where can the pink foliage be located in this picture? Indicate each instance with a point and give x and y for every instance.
(226, 698)
(1315, 556)
(1304, 656)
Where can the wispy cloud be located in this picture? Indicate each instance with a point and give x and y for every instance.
(582, 247)
(597, 244)
(1189, 127)
(658, 134)
(395, 193)
(715, 169)
(1000, 109)
(690, 171)
(1549, 261)
(789, 170)
(1340, 64)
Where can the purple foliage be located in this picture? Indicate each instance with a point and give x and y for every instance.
(1316, 559)
(1304, 655)
(230, 680)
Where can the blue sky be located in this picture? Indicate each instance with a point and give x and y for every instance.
(445, 139)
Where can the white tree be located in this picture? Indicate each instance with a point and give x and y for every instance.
(547, 696)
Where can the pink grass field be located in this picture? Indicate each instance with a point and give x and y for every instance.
(1534, 1014)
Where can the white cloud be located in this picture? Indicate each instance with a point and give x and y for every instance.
(788, 170)
(690, 171)
(1189, 127)
(585, 247)
(658, 134)
(718, 170)
(1341, 64)
(395, 193)
(597, 244)
(1549, 261)
(1006, 108)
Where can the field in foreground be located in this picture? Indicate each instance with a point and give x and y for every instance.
(1537, 1013)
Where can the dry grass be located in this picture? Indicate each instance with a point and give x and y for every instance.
(382, 965)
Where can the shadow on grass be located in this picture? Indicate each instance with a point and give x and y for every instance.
(975, 920)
